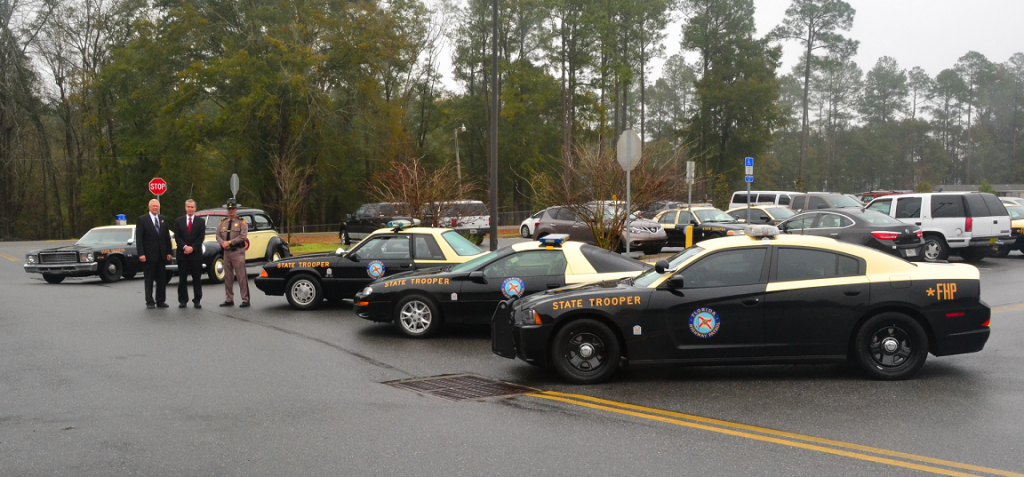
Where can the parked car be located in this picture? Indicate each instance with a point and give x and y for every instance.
(762, 214)
(652, 210)
(1012, 200)
(708, 223)
(860, 226)
(529, 224)
(645, 235)
(969, 223)
(866, 197)
(467, 217)
(823, 200)
(1016, 241)
(762, 197)
(370, 217)
(107, 252)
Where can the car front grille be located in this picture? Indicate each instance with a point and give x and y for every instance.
(650, 230)
(58, 257)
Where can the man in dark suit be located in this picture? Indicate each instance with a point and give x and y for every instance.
(153, 237)
(189, 232)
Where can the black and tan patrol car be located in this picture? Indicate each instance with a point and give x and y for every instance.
(762, 298)
(708, 223)
(107, 252)
(262, 242)
(468, 293)
(307, 280)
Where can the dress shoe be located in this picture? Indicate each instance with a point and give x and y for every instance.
(182, 305)
(161, 305)
(150, 305)
(244, 304)
(228, 303)
(197, 305)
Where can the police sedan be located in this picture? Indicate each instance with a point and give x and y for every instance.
(417, 303)
(306, 280)
(760, 298)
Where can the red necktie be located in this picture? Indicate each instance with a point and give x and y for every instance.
(190, 224)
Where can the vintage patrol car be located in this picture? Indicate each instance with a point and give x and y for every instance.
(307, 280)
(417, 303)
(108, 252)
(762, 298)
(262, 242)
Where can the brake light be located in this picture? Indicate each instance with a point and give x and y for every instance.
(919, 234)
(454, 223)
(488, 221)
(969, 225)
(536, 224)
(987, 322)
(885, 235)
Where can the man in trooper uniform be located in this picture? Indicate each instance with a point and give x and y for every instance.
(231, 235)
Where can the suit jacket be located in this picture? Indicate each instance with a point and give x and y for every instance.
(182, 237)
(155, 246)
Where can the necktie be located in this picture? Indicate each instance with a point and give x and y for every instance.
(156, 224)
(190, 224)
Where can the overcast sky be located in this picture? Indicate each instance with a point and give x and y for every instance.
(931, 34)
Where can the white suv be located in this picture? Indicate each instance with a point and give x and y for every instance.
(971, 223)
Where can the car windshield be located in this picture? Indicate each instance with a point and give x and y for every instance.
(460, 244)
(878, 218)
(780, 213)
(713, 215)
(466, 210)
(212, 220)
(1016, 211)
(476, 262)
(842, 201)
(104, 237)
(648, 277)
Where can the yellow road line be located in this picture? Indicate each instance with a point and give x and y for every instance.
(8, 257)
(1015, 306)
(784, 438)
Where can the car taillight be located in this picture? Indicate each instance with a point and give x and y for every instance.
(488, 221)
(454, 223)
(987, 322)
(969, 225)
(919, 234)
(885, 235)
(536, 224)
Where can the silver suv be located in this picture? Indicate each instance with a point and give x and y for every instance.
(969, 223)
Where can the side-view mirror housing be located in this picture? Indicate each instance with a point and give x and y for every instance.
(477, 276)
(676, 281)
(693, 221)
(353, 257)
(339, 252)
(131, 241)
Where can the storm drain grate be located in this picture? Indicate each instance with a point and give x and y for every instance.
(461, 387)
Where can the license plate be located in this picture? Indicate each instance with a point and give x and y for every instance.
(912, 252)
(991, 241)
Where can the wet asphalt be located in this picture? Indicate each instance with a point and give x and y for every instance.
(93, 383)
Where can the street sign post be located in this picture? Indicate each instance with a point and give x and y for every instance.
(749, 165)
(158, 186)
(628, 152)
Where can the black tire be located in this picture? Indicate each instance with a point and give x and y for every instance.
(524, 231)
(110, 270)
(891, 346)
(974, 254)
(215, 269)
(416, 316)
(1000, 251)
(935, 248)
(585, 352)
(128, 276)
(304, 292)
(53, 278)
(345, 239)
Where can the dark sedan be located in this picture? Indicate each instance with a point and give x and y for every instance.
(860, 226)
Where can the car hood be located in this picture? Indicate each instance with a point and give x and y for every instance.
(73, 248)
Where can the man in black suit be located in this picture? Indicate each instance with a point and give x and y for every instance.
(189, 232)
(153, 237)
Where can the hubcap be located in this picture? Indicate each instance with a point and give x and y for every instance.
(111, 268)
(415, 317)
(218, 268)
(931, 250)
(276, 257)
(303, 292)
(890, 346)
(525, 231)
(585, 352)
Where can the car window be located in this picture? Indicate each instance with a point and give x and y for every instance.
(725, 269)
(466, 210)
(815, 202)
(739, 198)
(843, 201)
(976, 204)
(668, 217)
(1015, 211)
(102, 237)
(460, 244)
(212, 221)
(248, 221)
(800, 222)
(784, 199)
(766, 198)
(831, 221)
(908, 208)
(877, 218)
(528, 264)
(780, 213)
(604, 261)
(360, 211)
(995, 206)
(947, 206)
(537, 215)
(371, 211)
(427, 248)
(882, 206)
(387, 247)
(565, 214)
(684, 217)
(713, 215)
(799, 202)
(263, 223)
(808, 264)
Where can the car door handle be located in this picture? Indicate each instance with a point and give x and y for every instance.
(834, 234)
(995, 221)
(917, 223)
(554, 285)
(405, 265)
(751, 301)
(851, 292)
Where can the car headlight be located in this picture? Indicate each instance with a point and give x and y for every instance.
(735, 232)
(366, 291)
(30, 258)
(204, 249)
(635, 230)
(86, 257)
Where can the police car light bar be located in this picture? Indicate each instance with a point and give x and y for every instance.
(554, 239)
(761, 231)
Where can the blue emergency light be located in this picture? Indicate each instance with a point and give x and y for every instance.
(554, 239)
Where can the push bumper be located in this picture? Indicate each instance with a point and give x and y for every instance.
(270, 286)
(64, 269)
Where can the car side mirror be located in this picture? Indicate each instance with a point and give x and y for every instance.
(339, 252)
(478, 276)
(693, 221)
(353, 257)
(676, 281)
(131, 241)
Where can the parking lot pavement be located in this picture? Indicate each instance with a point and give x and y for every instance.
(92, 383)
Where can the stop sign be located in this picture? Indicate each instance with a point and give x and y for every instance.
(157, 186)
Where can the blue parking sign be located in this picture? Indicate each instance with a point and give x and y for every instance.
(750, 162)
(750, 179)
